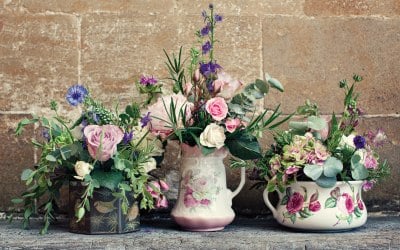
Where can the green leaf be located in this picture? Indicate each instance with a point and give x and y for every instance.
(285, 200)
(51, 158)
(313, 171)
(332, 167)
(27, 213)
(261, 86)
(358, 212)
(350, 219)
(17, 200)
(68, 151)
(358, 171)
(298, 126)
(109, 180)
(330, 202)
(274, 82)
(80, 213)
(305, 213)
(326, 182)
(316, 123)
(27, 174)
(293, 218)
(244, 146)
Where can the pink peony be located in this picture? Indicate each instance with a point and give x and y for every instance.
(161, 123)
(232, 124)
(217, 108)
(314, 206)
(295, 203)
(227, 86)
(102, 141)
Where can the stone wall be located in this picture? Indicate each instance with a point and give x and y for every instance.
(46, 46)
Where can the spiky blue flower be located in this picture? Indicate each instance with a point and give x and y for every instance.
(209, 68)
(145, 120)
(204, 31)
(206, 47)
(218, 18)
(76, 94)
(127, 137)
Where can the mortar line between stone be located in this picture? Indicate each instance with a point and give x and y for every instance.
(79, 41)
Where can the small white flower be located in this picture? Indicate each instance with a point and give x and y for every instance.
(347, 141)
(149, 165)
(213, 136)
(82, 168)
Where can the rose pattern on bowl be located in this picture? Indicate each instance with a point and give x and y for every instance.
(298, 206)
(350, 206)
(199, 190)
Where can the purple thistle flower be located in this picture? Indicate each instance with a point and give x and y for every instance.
(206, 47)
(76, 94)
(218, 18)
(359, 142)
(145, 120)
(149, 80)
(204, 31)
(127, 137)
(209, 68)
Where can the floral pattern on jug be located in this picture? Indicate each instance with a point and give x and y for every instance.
(200, 190)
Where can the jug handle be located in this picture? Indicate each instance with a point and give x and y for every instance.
(241, 183)
(268, 203)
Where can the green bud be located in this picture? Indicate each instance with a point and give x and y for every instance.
(357, 78)
(342, 83)
(53, 105)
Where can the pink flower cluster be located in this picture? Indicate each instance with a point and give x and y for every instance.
(155, 188)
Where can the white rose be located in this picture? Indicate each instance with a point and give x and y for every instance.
(82, 168)
(213, 136)
(149, 165)
(347, 141)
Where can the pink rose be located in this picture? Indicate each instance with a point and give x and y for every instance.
(295, 203)
(345, 204)
(161, 124)
(190, 201)
(232, 124)
(217, 108)
(314, 206)
(229, 87)
(102, 141)
(161, 202)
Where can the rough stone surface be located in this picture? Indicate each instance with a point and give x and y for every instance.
(16, 154)
(351, 7)
(38, 60)
(237, 7)
(262, 233)
(311, 56)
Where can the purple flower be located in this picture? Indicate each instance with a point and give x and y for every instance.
(359, 142)
(145, 120)
(218, 18)
(204, 31)
(368, 185)
(127, 137)
(206, 47)
(209, 68)
(149, 80)
(377, 138)
(45, 134)
(76, 94)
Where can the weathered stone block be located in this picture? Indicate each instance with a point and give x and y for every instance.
(237, 7)
(38, 57)
(351, 7)
(16, 154)
(139, 7)
(310, 56)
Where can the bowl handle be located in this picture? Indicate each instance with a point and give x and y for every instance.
(268, 203)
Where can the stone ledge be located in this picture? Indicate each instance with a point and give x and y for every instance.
(380, 232)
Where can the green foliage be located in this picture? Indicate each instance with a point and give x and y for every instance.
(176, 70)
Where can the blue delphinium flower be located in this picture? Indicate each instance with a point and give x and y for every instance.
(145, 120)
(204, 31)
(127, 137)
(359, 142)
(76, 94)
(206, 47)
(209, 68)
(218, 18)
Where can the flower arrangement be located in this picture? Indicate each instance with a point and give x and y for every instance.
(210, 108)
(324, 149)
(102, 148)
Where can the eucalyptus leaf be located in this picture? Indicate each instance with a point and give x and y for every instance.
(313, 171)
(359, 172)
(26, 174)
(316, 123)
(332, 167)
(262, 86)
(326, 182)
(274, 82)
